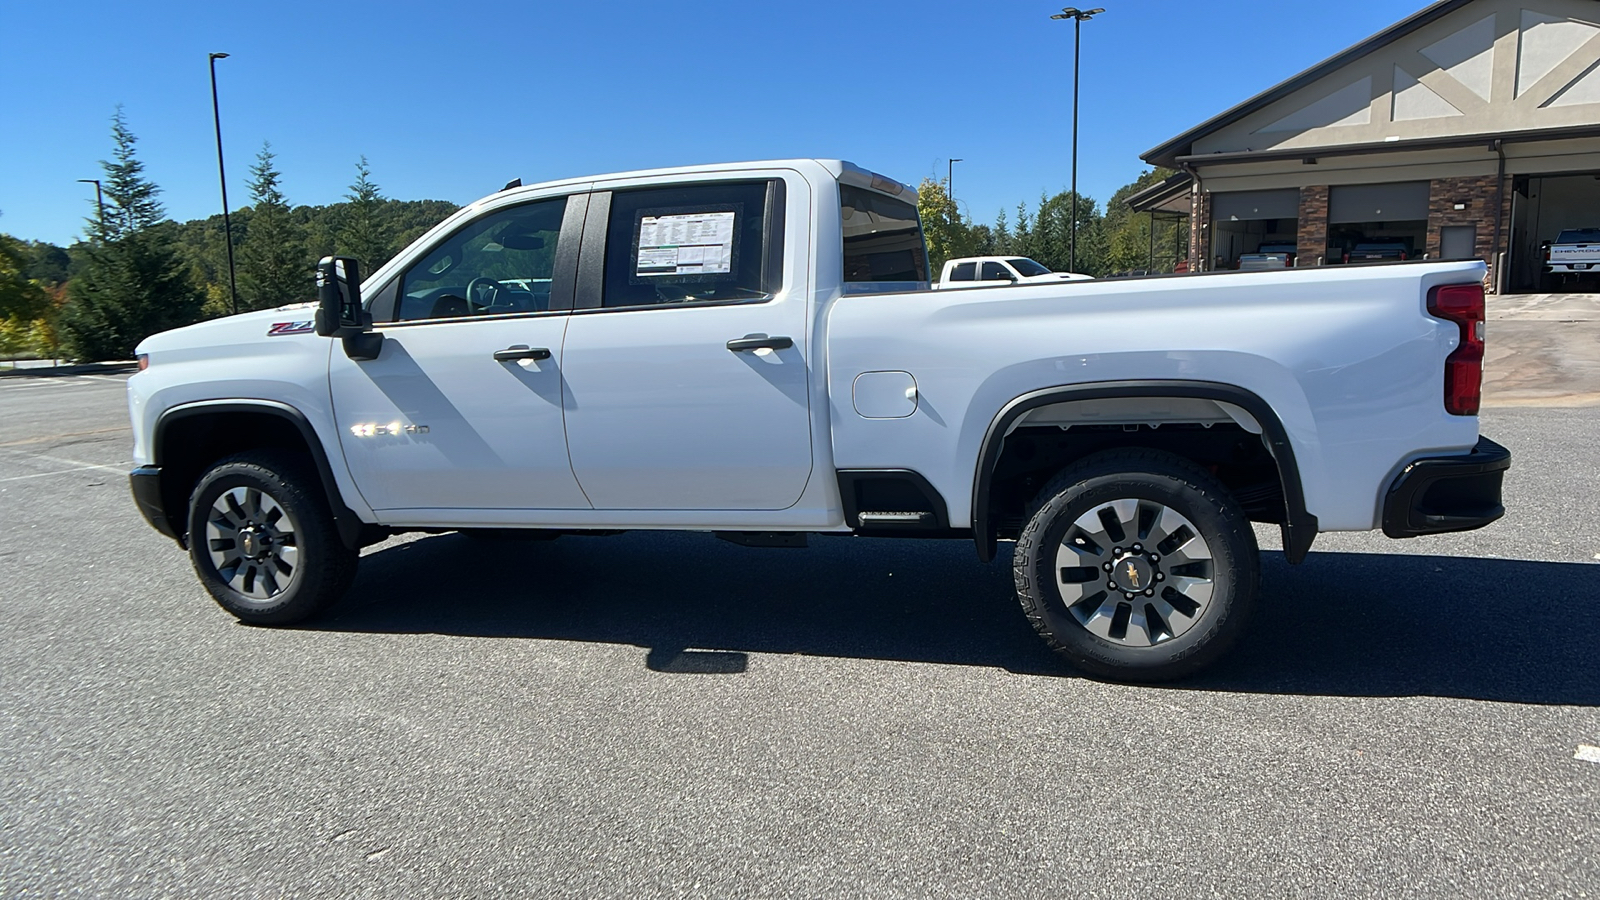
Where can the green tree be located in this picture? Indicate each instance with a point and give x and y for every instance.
(48, 264)
(1046, 234)
(273, 267)
(21, 298)
(363, 234)
(1131, 245)
(133, 282)
(949, 236)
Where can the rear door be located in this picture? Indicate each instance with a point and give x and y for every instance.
(686, 356)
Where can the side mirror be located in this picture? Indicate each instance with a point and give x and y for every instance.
(339, 313)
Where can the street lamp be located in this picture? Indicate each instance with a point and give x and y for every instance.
(1078, 17)
(99, 201)
(949, 180)
(227, 225)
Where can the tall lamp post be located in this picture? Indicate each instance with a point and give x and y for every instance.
(222, 176)
(1078, 17)
(949, 180)
(99, 201)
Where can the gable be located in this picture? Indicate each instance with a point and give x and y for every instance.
(1492, 67)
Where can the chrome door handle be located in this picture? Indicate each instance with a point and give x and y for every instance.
(520, 351)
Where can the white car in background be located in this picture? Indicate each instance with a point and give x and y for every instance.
(973, 271)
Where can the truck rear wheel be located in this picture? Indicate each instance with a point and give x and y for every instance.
(263, 541)
(1137, 565)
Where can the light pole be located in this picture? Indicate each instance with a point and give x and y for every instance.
(227, 225)
(99, 202)
(949, 180)
(1078, 17)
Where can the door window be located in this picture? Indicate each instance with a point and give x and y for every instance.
(964, 272)
(993, 271)
(698, 243)
(501, 263)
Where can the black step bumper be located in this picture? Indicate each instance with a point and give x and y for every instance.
(1447, 493)
(146, 484)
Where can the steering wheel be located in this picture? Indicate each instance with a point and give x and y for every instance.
(484, 286)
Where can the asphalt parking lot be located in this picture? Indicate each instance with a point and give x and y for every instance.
(670, 715)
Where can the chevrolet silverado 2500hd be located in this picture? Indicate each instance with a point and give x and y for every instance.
(752, 349)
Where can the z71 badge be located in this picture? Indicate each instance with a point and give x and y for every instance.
(288, 328)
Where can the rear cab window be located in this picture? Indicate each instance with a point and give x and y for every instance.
(964, 272)
(883, 248)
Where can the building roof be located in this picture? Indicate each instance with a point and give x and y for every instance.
(1168, 154)
(1171, 194)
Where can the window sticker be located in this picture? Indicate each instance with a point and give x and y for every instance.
(685, 244)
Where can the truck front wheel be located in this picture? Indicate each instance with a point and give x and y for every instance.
(263, 541)
(1137, 565)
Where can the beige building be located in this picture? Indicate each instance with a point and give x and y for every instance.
(1471, 129)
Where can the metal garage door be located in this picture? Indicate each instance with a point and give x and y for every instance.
(1245, 206)
(1378, 202)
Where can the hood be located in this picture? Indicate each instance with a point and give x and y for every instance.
(244, 328)
(1055, 276)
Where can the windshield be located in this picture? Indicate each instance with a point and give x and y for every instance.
(883, 249)
(1578, 235)
(1027, 268)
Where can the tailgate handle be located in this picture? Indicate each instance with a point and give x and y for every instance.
(760, 342)
(520, 351)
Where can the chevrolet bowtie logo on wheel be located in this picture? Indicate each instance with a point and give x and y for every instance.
(1133, 577)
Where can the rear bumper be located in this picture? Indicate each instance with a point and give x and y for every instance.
(146, 484)
(1447, 493)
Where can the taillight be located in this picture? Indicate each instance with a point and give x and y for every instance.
(1463, 368)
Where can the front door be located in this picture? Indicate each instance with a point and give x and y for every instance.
(462, 407)
(686, 357)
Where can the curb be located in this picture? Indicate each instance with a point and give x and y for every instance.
(100, 368)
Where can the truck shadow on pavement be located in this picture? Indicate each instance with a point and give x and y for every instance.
(1342, 624)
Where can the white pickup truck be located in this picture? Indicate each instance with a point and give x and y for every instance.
(975, 271)
(752, 350)
(1575, 252)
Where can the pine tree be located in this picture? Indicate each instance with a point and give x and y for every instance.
(273, 267)
(363, 234)
(133, 283)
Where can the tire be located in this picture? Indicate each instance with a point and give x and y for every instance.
(1172, 537)
(263, 541)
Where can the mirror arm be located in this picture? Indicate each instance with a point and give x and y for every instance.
(364, 346)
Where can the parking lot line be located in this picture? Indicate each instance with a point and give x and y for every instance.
(1587, 753)
(60, 459)
(58, 472)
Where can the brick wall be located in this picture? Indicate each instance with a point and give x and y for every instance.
(1199, 231)
(1476, 195)
(1312, 241)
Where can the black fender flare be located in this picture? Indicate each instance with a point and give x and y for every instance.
(1299, 526)
(349, 524)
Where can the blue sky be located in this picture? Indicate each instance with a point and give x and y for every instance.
(451, 100)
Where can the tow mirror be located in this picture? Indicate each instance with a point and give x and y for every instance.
(339, 312)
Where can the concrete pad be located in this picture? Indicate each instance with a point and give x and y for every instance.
(1542, 350)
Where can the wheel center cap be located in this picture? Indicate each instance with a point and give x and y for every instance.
(252, 544)
(1133, 573)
